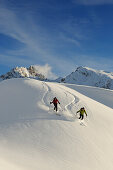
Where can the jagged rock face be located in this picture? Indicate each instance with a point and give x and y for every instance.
(21, 72)
(33, 72)
(90, 77)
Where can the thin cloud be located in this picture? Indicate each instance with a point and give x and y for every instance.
(20, 30)
(69, 39)
(93, 2)
(37, 44)
(76, 29)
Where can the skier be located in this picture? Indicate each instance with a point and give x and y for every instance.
(82, 111)
(55, 102)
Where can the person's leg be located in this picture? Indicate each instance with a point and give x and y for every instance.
(56, 107)
(82, 117)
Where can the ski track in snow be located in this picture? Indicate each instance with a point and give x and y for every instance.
(71, 104)
(46, 95)
(74, 105)
(65, 109)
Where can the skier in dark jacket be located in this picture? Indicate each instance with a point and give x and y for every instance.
(82, 111)
(55, 102)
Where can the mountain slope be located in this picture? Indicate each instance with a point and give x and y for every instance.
(90, 77)
(33, 137)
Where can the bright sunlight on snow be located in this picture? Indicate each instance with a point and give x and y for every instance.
(34, 137)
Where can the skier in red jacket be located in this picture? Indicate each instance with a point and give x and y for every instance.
(55, 102)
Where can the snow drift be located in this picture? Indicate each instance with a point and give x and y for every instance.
(33, 137)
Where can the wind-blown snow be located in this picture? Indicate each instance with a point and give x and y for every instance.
(33, 137)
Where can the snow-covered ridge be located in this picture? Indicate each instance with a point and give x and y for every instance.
(90, 77)
(21, 72)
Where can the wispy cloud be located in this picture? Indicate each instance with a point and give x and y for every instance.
(93, 2)
(76, 29)
(25, 31)
(37, 43)
(69, 39)
(43, 42)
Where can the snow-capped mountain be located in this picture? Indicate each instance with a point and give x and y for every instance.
(21, 72)
(90, 77)
(81, 76)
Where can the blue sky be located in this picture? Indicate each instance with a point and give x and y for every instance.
(59, 34)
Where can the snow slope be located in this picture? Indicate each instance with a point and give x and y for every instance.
(101, 95)
(33, 137)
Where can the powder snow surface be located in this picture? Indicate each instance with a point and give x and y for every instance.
(33, 137)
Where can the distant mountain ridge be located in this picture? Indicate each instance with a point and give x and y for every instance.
(81, 76)
(21, 72)
(89, 77)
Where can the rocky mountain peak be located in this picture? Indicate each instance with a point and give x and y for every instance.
(21, 72)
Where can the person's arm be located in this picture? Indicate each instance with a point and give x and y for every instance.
(51, 102)
(85, 113)
(58, 101)
(78, 111)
